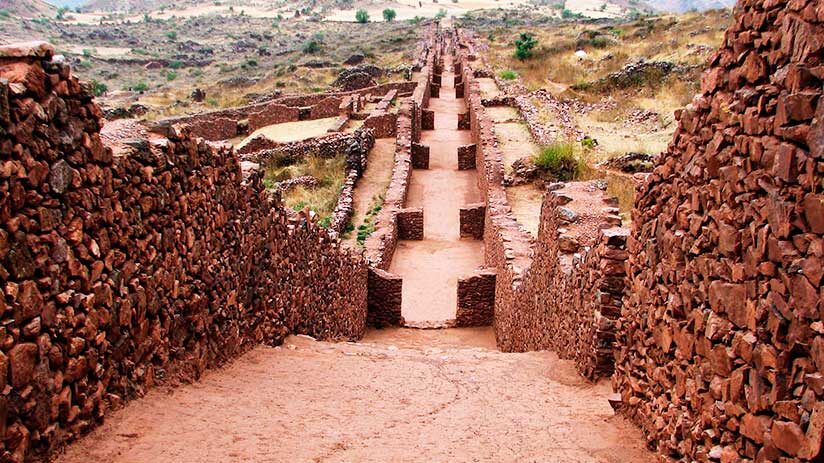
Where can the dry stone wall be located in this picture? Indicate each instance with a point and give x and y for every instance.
(229, 123)
(562, 291)
(722, 340)
(123, 269)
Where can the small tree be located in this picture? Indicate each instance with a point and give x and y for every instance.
(524, 46)
(389, 14)
(362, 16)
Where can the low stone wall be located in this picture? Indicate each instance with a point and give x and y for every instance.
(558, 292)
(410, 223)
(326, 146)
(381, 244)
(722, 342)
(224, 124)
(466, 157)
(472, 221)
(385, 296)
(476, 299)
(147, 264)
(420, 156)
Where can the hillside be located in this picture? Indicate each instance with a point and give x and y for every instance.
(27, 8)
(682, 6)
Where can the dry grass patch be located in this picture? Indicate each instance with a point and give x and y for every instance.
(322, 199)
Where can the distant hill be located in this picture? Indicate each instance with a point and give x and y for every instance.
(128, 6)
(681, 6)
(68, 3)
(28, 8)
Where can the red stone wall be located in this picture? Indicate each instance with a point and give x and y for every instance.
(722, 342)
(385, 296)
(472, 221)
(122, 269)
(222, 124)
(476, 299)
(466, 157)
(420, 156)
(410, 223)
(561, 291)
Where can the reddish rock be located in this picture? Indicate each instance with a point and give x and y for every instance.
(22, 360)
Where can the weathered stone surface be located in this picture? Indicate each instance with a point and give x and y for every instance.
(722, 263)
(121, 271)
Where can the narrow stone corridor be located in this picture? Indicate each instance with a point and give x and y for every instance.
(431, 267)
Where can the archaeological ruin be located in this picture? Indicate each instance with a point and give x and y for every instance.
(140, 255)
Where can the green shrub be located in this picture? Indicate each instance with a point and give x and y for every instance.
(441, 14)
(559, 160)
(416, 20)
(389, 14)
(508, 75)
(140, 87)
(568, 14)
(524, 45)
(171, 75)
(176, 64)
(99, 88)
(88, 52)
(362, 16)
(61, 13)
(171, 35)
(4, 14)
(311, 46)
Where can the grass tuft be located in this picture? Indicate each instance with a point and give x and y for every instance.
(559, 159)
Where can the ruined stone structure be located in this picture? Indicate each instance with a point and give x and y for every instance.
(143, 264)
(149, 259)
(722, 346)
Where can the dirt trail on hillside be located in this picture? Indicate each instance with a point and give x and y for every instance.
(375, 401)
(431, 268)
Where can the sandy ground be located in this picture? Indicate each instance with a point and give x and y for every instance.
(292, 131)
(377, 401)
(488, 87)
(526, 201)
(375, 179)
(431, 268)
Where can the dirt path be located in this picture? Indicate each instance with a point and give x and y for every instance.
(374, 181)
(413, 401)
(431, 268)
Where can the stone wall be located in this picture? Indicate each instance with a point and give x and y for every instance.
(472, 221)
(561, 291)
(476, 299)
(385, 296)
(466, 157)
(722, 342)
(225, 123)
(136, 264)
(410, 223)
